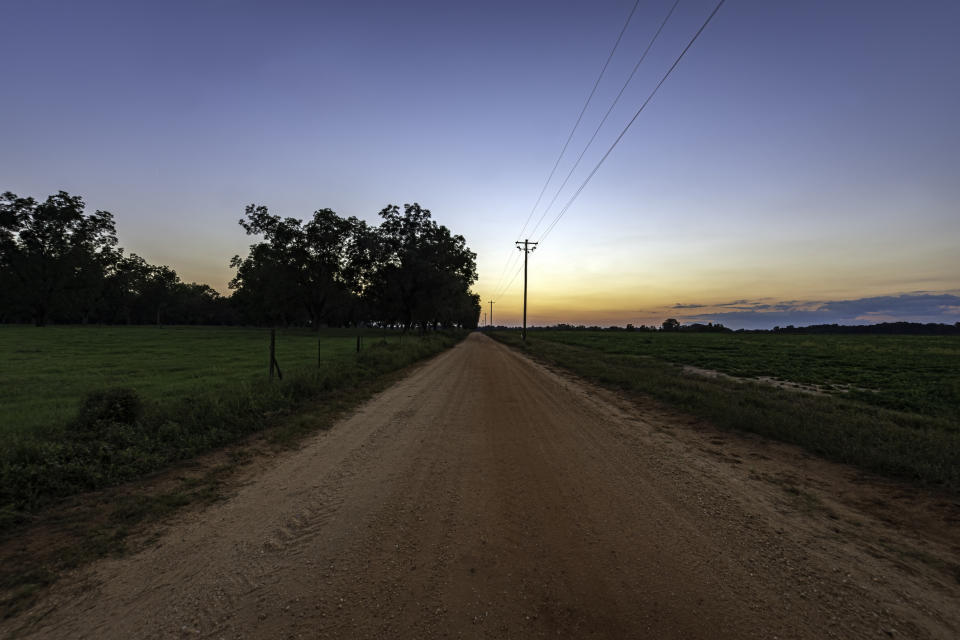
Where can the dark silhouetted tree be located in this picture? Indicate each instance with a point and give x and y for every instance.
(299, 270)
(671, 324)
(53, 255)
(423, 273)
(408, 271)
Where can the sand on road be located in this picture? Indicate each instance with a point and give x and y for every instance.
(485, 496)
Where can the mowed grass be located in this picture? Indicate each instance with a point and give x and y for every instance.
(45, 373)
(916, 374)
(904, 421)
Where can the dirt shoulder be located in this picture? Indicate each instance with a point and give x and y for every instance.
(488, 496)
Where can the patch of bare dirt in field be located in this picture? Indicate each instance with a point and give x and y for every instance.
(815, 389)
(487, 496)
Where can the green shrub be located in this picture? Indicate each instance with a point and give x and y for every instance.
(102, 409)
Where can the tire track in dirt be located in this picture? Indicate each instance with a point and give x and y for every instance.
(485, 496)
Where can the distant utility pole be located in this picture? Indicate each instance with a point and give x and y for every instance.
(526, 246)
(491, 313)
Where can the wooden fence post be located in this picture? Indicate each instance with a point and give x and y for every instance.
(274, 365)
(273, 350)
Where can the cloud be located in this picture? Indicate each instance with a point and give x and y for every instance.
(908, 307)
(736, 303)
(688, 306)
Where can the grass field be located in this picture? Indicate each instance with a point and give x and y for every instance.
(916, 374)
(46, 373)
(890, 404)
(87, 407)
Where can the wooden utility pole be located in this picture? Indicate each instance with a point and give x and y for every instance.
(491, 313)
(526, 246)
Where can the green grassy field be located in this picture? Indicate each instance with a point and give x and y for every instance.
(46, 373)
(88, 407)
(890, 404)
(917, 374)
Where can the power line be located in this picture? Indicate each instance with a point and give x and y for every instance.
(632, 120)
(507, 264)
(506, 269)
(512, 280)
(605, 116)
(580, 117)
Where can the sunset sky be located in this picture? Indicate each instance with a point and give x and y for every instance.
(800, 165)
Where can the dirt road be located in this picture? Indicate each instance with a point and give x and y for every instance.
(486, 497)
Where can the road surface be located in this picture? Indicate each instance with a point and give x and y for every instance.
(485, 496)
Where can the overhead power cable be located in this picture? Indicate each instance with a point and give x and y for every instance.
(508, 263)
(511, 260)
(632, 120)
(576, 164)
(512, 280)
(580, 117)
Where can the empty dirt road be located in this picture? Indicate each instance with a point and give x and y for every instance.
(485, 496)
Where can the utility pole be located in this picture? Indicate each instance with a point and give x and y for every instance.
(491, 313)
(526, 246)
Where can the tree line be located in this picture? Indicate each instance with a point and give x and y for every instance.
(670, 324)
(674, 325)
(409, 271)
(882, 328)
(59, 264)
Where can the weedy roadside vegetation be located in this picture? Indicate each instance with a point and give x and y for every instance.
(888, 404)
(127, 430)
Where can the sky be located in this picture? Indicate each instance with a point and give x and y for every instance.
(801, 163)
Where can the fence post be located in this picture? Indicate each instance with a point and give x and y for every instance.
(274, 365)
(358, 344)
(273, 350)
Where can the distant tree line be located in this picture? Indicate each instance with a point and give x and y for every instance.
(673, 325)
(59, 264)
(891, 328)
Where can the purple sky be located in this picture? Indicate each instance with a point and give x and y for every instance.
(802, 151)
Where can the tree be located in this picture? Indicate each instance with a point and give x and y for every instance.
(300, 269)
(423, 273)
(52, 253)
(195, 303)
(671, 324)
(158, 290)
(408, 271)
(327, 280)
